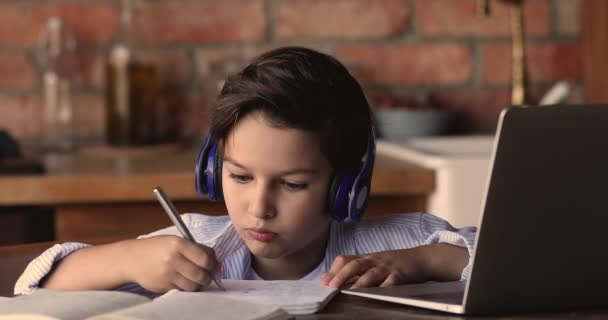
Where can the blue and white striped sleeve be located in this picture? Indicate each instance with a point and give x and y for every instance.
(200, 226)
(39, 267)
(441, 231)
(204, 228)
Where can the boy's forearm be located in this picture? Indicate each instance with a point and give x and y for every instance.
(444, 262)
(98, 267)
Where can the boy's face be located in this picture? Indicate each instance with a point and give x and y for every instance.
(275, 182)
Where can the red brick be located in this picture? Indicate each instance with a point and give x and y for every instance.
(458, 18)
(568, 16)
(382, 98)
(186, 111)
(89, 70)
(92, 23)
(89, 117)
(544, 61)
(208, 60)
(194, 117)
(214, 64)
(16, 71)
(21, 116)
(421, 64)
(174, 71)
(477, 110)
(342, 18)
(174, 66)
(474, 110)
(201, 22)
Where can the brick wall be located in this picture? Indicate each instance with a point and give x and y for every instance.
(411, 51)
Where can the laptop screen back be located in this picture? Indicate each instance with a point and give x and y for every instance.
(542, 236)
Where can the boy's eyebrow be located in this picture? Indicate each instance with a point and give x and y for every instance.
(283, 173)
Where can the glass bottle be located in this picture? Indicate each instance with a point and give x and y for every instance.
(131, 90)
(58, 47)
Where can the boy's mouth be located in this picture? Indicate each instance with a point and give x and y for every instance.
(261, 234)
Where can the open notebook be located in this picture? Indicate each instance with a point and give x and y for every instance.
(242, 299)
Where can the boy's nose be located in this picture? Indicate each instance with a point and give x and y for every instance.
(261, 204)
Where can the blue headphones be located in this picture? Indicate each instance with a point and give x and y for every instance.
(348, 192)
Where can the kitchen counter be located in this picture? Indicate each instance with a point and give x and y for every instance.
(108, 193)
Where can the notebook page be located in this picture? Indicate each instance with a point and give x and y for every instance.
(295, 297)
(194, 306)
(69, 305)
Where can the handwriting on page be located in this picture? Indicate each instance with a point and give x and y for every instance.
(274, 292)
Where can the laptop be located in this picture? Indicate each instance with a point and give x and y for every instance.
(542, 236)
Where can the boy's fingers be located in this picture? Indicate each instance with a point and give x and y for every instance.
(200, 255)
(351, 281)
(339, 263)
(218, 272)
(326, 277)
(182, 283)
(391, 280)
(192, 272)
(372, 277)
(351, 269)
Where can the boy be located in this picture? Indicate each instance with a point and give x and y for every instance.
(290, 151)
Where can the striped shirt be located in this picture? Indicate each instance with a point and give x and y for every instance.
(388, 233)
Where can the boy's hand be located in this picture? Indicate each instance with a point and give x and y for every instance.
(162, 263)
(388, 268)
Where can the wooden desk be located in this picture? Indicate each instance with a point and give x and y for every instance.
(352, 307)
(96, 195)
(13, 260)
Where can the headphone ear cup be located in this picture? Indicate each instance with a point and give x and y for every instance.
(359, 190)
(338, 195)
(217, 177)
(331, 195)
(358, 199)
(201, 169)
(349, 191)
(208, 172)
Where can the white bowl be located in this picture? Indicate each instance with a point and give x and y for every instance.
(401, 124)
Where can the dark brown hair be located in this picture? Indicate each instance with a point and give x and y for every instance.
(303, 89)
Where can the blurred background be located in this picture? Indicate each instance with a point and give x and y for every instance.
(101, 100)
(431, 54)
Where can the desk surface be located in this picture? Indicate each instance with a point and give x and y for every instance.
(101, 177)
(352, 307)
(13, 260)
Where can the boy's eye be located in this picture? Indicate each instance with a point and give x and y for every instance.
(291, 186)
(239, 178)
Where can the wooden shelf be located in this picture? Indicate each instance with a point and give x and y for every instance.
(110, 197)
(78, 179)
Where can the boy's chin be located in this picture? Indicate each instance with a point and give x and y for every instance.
(265, 251)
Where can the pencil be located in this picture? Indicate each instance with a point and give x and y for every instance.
(177, 221)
